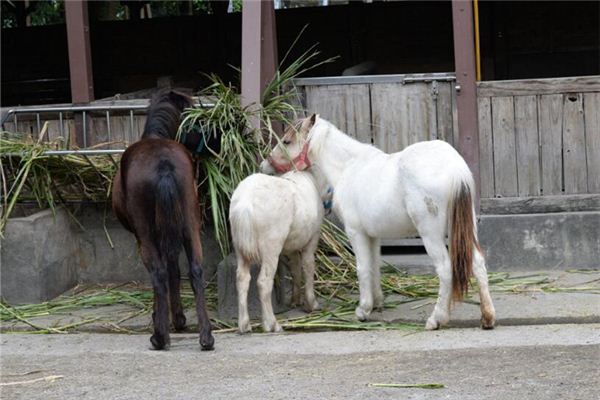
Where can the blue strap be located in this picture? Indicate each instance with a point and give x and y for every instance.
(328, 204)
(196, 130)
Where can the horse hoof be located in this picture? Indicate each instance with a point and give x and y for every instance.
(179, 322)
(159, 342)
(274, 328)
(245, 327)
(432, 324)
(308, 308)
(361, 314)
(487, 323)
(207, 343)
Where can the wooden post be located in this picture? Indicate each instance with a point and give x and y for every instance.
(466, 88)
(259, 50)
(80, 62)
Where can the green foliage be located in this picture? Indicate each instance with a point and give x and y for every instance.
(241, 146)
(237, 157)
(44, 12)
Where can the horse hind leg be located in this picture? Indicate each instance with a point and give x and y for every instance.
(266, 276)
(436, 248)
(296, 271)
(193, 251)
(242, 284)
(177, 314)
(308, 267)
(488, 313)
(160, 316)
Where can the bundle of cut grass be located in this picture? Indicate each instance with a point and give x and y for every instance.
(29, 175)
(242, 147)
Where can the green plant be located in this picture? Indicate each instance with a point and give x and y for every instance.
(242, 147)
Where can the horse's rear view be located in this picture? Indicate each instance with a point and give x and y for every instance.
(154, 196)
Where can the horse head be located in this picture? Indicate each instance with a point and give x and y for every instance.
(292, 150)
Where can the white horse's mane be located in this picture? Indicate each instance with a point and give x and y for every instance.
(324, 130)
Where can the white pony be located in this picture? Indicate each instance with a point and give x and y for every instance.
(271, 215)
(426, 189)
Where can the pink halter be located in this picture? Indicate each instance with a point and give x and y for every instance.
(301, 161)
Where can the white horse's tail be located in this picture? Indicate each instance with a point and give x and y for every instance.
(463, 237)
(243, 233)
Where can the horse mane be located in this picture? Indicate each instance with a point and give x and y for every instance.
(323, 129)
(164, 114)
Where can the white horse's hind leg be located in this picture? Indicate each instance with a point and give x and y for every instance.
(376, 273)
(265, 288)
(308, 266)
(242, 284)
(488, 313)
(436, 248)
(296, 271)
(362, 249)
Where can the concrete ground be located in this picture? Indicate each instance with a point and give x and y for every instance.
(546, 346)
(575, 299)
(524, 362)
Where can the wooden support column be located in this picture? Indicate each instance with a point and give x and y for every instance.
(466, 87)
(259, 49)
(80, 62)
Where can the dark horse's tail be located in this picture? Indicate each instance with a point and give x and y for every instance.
(163, 121)
(168, 214)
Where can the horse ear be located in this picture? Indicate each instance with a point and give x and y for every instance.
(181, 100)
(308, 123)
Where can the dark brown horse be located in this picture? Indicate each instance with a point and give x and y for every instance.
(154, 196)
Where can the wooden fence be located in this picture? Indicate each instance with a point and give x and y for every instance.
(389, 111)
(539, 139)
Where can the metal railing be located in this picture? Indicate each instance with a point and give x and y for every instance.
(63, 111)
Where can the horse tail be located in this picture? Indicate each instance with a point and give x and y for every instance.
(168, 214)
(463, 237)
(243, 232)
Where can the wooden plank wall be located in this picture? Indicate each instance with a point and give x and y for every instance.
(388, 115)
(539, 137)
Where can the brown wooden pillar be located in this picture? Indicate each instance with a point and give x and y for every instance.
(466, 88)
(259, 49)
(80, 62)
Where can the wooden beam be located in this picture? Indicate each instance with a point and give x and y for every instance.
(80, 65)
(526, 87)
(259, 49)
(541, 204)
(80, 55)
(464, 60)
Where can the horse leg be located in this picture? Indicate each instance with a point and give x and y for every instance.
(242, 284)
(376, 274)
(177, 314)
(488, 313)
(296, 271)
(193, 251)
(362, 249)
(160, 315)
(436, 248)
(265, 288)
(308, 266)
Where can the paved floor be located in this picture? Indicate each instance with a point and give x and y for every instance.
(520, 362)
(546, 346)
(578, 302)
